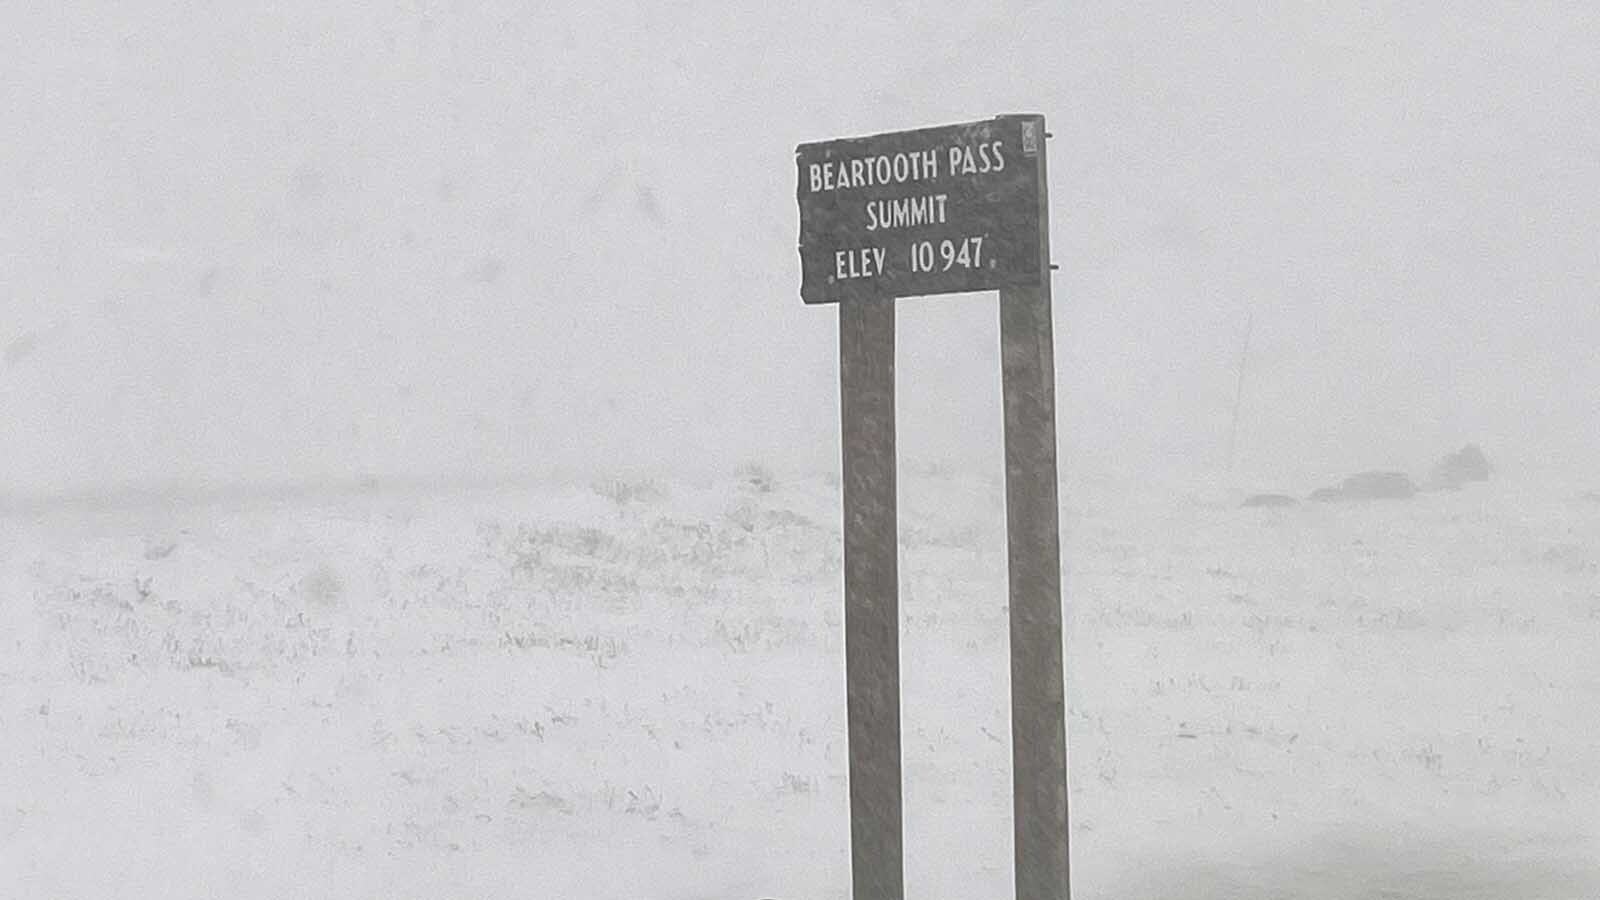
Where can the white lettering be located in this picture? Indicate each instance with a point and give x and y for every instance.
(875, 171)
(967, 253)
(862, 262)
(979, 160)
(906, 212)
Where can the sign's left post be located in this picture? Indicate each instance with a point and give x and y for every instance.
(872, 599)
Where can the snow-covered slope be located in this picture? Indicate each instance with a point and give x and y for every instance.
(636, 690)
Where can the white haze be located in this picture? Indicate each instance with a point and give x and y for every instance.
(435, 240)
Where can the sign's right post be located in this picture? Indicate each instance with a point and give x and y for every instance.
(1038, 702)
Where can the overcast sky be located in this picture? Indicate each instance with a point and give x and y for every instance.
(331, 240)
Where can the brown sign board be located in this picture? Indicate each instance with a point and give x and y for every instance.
(942, 210)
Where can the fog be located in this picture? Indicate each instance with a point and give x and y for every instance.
(457, 240)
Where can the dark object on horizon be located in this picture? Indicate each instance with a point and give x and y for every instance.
(1462, 467)
(1370, 486)
(1378, 486)
(1270, 500)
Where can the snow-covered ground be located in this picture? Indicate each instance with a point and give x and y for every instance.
(636, 690)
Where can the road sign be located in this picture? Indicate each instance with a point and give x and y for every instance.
(942, 210)
(931, 211)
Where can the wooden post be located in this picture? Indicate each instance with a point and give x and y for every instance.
(1238, 390)
(1038, 703)
(871, 591)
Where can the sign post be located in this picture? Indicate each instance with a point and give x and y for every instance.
(954, 209)
(871, 586)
